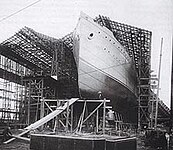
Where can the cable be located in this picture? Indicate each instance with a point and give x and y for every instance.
(19, 11)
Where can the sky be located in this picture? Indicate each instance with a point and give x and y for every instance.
(57, 18)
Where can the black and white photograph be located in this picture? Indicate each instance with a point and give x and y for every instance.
(86, 75)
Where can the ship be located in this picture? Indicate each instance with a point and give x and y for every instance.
(104, 67)
(89, 63)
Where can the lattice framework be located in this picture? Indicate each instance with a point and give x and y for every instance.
(137, 43)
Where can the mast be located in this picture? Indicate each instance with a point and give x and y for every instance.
(171, 102)
(157, 95)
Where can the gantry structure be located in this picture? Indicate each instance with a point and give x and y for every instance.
(43, 67)
(30, 60)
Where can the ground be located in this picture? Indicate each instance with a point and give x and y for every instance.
(16, 145)
(141, 145)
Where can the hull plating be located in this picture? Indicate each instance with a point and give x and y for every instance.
(104, 65)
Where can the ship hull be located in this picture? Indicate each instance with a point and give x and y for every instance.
(104, 65)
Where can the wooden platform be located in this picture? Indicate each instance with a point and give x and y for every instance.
(67, 142)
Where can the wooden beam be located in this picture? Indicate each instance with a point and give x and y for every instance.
(92, 112)
(80, 100)
(67, 117)
(21, 138)
(104, 115)
(12, 139)
(51, 115)
(97, 121)
(83, 113)
(94, 101)
(71, 118)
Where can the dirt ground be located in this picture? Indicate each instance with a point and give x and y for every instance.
(16, 145)
(141, 145)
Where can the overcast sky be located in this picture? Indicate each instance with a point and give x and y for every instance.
(57, 18)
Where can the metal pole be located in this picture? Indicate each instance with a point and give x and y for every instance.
(139, 94)
(157, 96)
